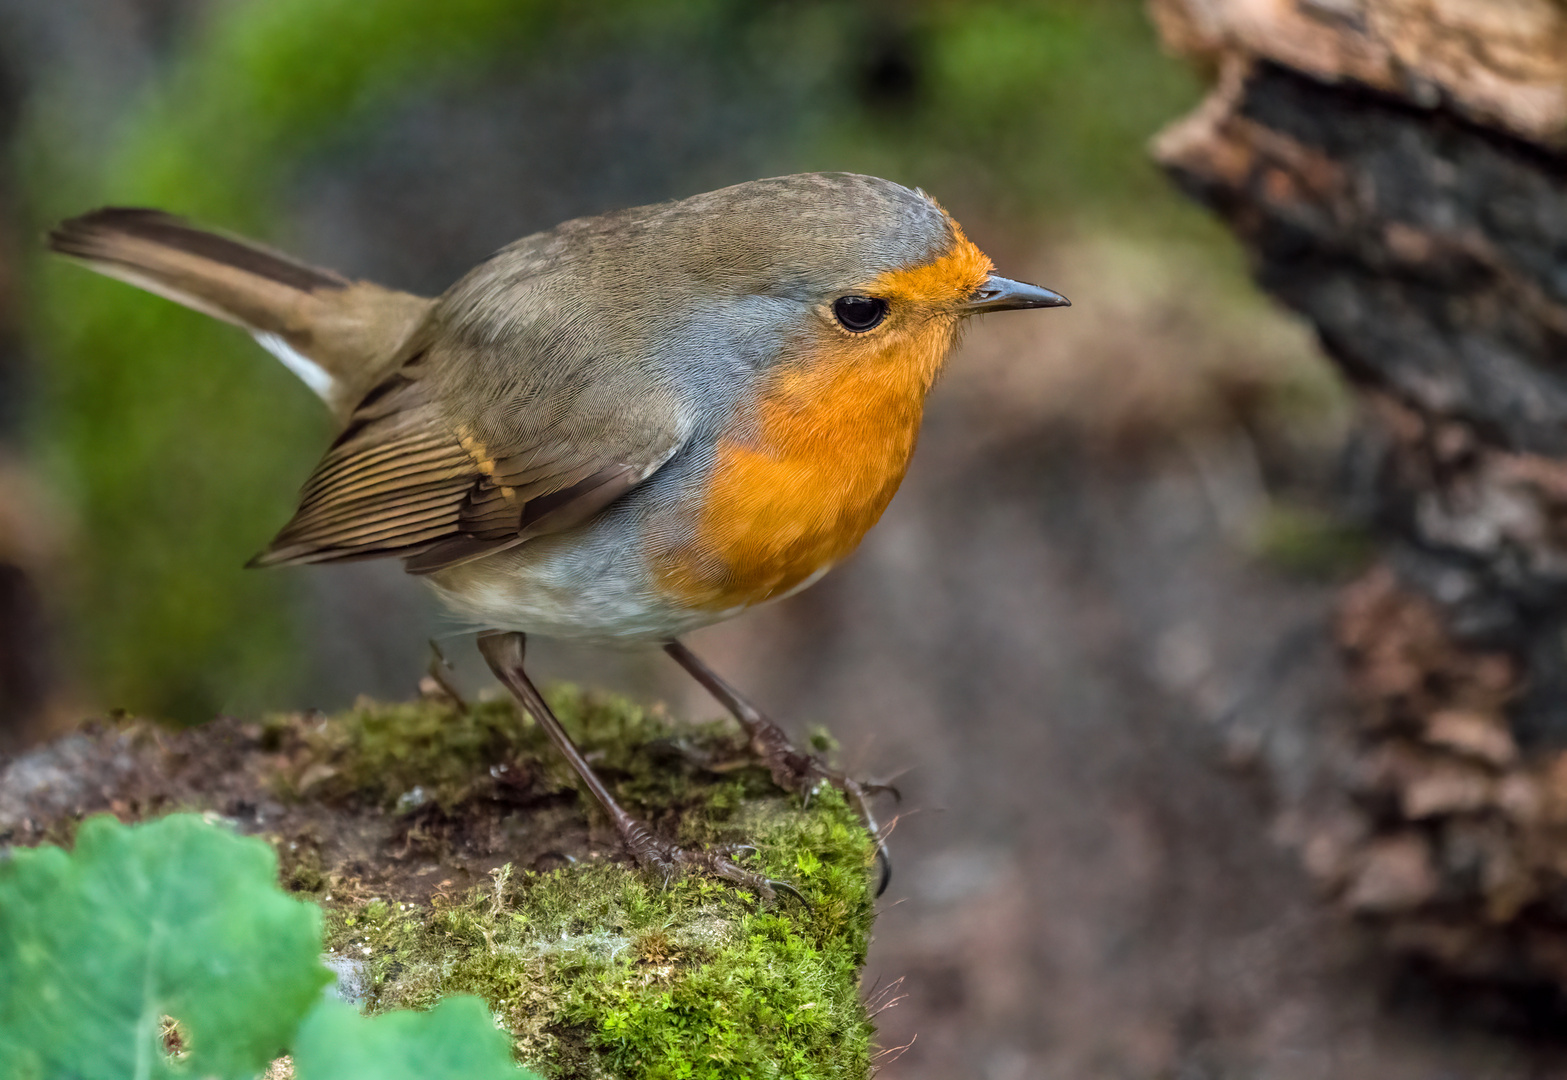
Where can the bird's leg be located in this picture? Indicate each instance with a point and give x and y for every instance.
(439, 674)
(792, 769)
(504, 653)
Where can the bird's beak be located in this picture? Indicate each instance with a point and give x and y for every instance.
(1004, 294)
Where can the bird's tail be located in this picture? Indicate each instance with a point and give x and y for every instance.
(338, 335)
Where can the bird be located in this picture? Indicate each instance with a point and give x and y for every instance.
(616, 430)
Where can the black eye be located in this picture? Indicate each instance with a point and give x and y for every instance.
(859, 313)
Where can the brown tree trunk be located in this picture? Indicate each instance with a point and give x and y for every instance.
(1397, 170)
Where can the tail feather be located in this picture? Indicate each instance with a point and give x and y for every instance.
(338, 335)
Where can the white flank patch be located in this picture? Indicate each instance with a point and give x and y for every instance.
(311, 373)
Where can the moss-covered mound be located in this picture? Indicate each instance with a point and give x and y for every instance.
(598, 971)
(452, 852)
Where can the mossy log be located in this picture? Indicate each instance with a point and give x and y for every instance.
(452, 852)
(1397, 170)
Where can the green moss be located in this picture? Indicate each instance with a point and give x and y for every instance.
(597, 968)
(386, 752)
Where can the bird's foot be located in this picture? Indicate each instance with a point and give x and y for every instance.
(653, 852)
(805, 773)
(792, 770)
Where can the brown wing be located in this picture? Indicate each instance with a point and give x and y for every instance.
(403, 481)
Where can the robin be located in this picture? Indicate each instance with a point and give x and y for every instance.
(617, 430)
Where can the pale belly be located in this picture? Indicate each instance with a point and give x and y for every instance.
(589, 585)
(560, 591)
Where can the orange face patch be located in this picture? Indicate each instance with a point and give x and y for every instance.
(827, 446)
(942, 283)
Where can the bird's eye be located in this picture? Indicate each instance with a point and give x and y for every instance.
(859, 313)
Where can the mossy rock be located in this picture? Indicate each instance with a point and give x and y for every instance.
(452, 853)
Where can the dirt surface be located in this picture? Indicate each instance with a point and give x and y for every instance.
(400, 801)
(253, 774)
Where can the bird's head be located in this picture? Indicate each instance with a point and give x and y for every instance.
(860, 269)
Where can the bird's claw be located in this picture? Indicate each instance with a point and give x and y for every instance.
(765, 887)
(806, 773)
(884, 862)
(652, 852)
(784, 886)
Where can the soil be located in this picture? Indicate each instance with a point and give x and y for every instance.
(237, 770)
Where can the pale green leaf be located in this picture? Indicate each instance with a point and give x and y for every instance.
(456, 1040)
(176, 917)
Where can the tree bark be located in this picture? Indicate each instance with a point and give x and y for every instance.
(1397, 170)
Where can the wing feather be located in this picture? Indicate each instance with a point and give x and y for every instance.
(403, 481)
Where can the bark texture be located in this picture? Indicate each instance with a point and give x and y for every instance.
(1397, 170)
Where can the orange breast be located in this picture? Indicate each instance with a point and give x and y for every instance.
(831, 441)
(802, 477)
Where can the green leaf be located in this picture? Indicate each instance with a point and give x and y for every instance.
(176, 917)
(457, 1039)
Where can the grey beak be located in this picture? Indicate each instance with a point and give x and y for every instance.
(1004, 294)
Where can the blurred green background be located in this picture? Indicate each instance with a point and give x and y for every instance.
(175, 447)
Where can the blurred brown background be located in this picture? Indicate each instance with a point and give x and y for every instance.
(1090, 636)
